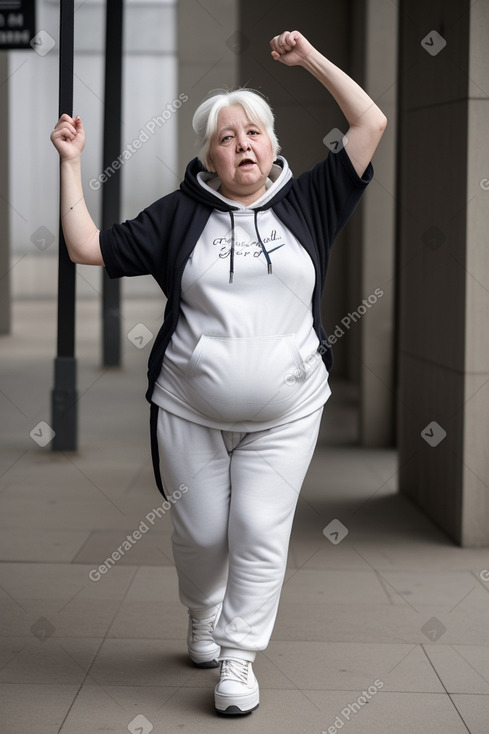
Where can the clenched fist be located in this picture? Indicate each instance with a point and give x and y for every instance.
(68, 137)
(291, 48)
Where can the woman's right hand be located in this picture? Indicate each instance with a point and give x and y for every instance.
(68, 137)
(80, 231)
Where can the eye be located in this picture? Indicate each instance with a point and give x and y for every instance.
(226, 138)
(254, 132)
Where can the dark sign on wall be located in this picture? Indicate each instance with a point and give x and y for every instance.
(17, 24)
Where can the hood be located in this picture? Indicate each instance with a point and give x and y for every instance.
(203, 186)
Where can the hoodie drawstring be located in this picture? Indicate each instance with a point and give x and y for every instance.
(231, 253)
(231, 256)
(267, 256)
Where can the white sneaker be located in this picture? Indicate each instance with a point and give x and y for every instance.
(202, 649)
(237, 691)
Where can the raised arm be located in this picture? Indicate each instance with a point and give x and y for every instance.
(81, 234)
(366, 121)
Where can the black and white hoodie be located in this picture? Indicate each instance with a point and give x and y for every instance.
(239, 345)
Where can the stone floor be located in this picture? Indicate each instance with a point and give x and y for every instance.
(382, 630)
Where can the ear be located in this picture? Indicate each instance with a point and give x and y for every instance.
(210, 165)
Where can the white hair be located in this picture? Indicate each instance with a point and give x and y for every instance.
(205, 118)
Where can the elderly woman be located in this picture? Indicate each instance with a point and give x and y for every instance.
(238, 375)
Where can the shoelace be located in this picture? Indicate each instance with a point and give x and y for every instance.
(202, 628)
(232, 669)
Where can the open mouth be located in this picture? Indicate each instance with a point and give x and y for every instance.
(246, 162)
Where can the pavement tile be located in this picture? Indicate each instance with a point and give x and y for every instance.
(34, 708)
(426, 588)
(61, 582)
(46, 545)
(346, 622)
(311, 550)
(145, 662)
(350, 665)
(113, 708)
(393, 713)
(146, 548)
(462, 668)
(338, 586)
(85, 618)
(411, 553)
(53, 510)
(46, 660)
(474, 710)
(156, 620)
(383, 623)
(154, 583)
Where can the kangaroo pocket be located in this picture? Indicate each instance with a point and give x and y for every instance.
(246, 378)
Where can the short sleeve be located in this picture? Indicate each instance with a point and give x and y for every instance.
(333, 189)
(135, 246)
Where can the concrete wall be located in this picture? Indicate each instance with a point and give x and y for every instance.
(443, 265)
(372, 241)
(208, 39)
(475, 472)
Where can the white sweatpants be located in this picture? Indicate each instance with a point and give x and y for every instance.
(231, 529)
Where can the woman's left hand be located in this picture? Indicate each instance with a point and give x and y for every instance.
(291, 48)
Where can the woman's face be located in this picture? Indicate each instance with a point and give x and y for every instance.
(241, 154)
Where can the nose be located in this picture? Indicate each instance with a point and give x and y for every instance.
(242, 142)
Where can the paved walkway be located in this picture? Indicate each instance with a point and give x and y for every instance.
(383, 631)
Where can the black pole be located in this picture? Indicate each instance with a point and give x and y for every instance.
(64, 399)
(111, 319)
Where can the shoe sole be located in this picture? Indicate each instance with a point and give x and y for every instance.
(206, 664)
(235, 711)
(200, 661)
(249, 703)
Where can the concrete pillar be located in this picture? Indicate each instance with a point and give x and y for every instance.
(209, 45)
(378, 235)
(444, 264)
(371, 253)
(4, 199)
